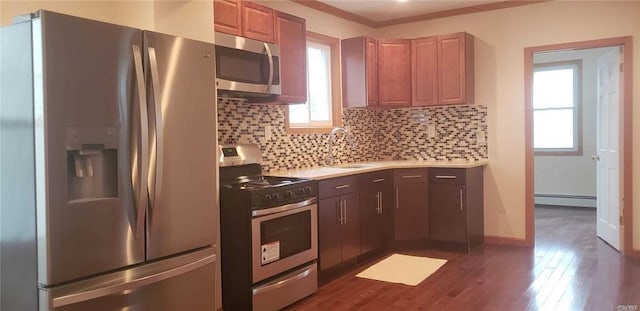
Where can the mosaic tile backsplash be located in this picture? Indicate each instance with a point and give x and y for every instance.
(442, 133)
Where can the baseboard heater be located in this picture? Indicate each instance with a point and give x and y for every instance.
(566, 200)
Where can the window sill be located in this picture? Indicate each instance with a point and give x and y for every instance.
(309, 130)
(557, 152)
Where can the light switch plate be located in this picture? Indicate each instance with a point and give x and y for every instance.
(431, 131)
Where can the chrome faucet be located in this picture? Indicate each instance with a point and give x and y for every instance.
(330, 159)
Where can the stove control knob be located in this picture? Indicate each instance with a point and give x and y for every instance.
(299, 191)
(307, 190)
(266, 198)
(288, 194)
(276, 197)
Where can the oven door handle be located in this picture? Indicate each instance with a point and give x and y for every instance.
(283, 208)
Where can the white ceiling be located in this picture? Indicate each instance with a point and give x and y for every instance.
(385, 10)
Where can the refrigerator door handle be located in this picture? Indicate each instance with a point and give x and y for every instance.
(130, 285)
(159, 143)
(141, 190)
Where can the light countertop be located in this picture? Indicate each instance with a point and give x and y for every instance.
(326, 172)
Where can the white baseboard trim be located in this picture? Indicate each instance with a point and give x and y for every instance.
(566, 200)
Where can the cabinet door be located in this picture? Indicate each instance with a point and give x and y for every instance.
(447, 212)
(350, 230)
(394, 72)
(373, 225)
(329, 246)
(371, 47)
(455, 66)
(424, 62)
(410, 213)
(227, 16)
(257, 22)
(291, 36)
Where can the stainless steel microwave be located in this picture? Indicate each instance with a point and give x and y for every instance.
(246, 67)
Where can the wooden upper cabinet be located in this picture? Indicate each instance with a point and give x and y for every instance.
(371, 49)
(455, 69)
(291, 37)
(394, 73)
(424, 75)
(257, 22)
(359, 72)
(227, 16)
(245, 19)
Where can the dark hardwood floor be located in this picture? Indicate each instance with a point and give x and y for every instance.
(569, 269)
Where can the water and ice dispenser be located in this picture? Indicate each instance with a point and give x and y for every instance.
(92, 163)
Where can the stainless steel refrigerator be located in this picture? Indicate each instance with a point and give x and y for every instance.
(108, 154)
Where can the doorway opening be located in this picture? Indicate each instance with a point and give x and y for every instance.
(578, 133)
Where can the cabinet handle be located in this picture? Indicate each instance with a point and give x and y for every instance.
(397, 205)
(345, 212)
(461, 200)
(411, 176)
(378, 180)
(446, 177)
(343, 186)
(339, 207)
(381, 203)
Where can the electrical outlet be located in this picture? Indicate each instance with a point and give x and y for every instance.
(481, 137)
(268, 132)
(431, 131)
(245, 139)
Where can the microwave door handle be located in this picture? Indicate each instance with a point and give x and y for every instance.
(141, 190)
(270, 56)
(159, 143)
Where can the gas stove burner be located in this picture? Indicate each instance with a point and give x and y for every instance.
(260, 182)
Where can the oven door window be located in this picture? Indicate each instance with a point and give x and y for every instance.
(285, 236)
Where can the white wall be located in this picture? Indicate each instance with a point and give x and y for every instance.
(573, 175)
(187, 18)
(321, 22)
(501, 37)
(137, 14)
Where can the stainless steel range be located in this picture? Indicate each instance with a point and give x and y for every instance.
(269, 233)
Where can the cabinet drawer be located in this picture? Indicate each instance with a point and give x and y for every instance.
(410, 175)
(337, 186)
(380, 177)
(447, 176)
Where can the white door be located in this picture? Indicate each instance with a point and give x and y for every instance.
(608, 146)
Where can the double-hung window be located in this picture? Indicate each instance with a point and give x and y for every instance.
(322, 109)
(556, 118)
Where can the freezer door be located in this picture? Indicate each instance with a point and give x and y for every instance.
(186, 282)
(182, 112)
(87, 147)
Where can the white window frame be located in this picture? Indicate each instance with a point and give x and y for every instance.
(576, 66)
(335, 109)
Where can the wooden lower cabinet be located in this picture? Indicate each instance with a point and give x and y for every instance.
(411, 214)
(376, 206)
(358, 214)
(338, 223)
(456, 212)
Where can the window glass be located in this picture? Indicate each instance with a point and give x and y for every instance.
(316, 112)
(555, 117)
